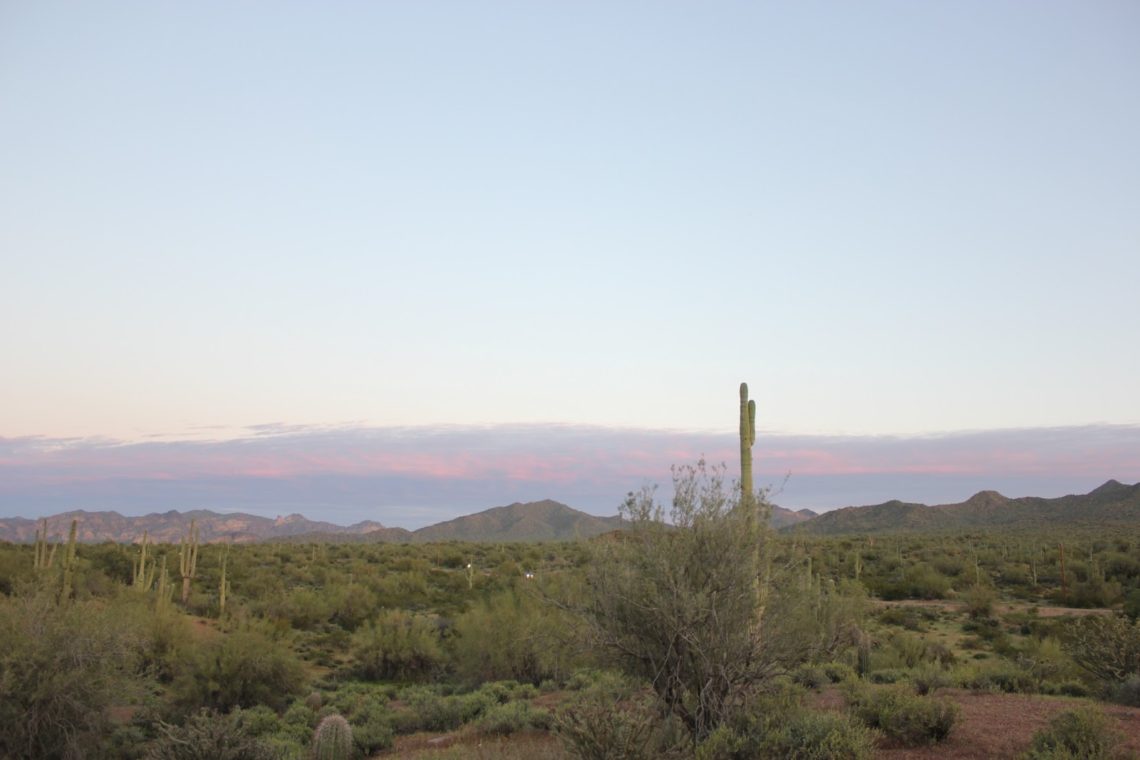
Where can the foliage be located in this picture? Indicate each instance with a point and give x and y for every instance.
(682, 604)
(1080, 733)
(242, 669)
(511, 635)
(1107, 647)
(208, 734)
(608, 720)
(902, 716)
(397, 645)
(61, 666)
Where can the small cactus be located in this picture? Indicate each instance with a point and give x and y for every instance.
(333, 739)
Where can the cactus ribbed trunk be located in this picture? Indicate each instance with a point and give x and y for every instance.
(747, 438)
(223, 585)
(188, 560)
(67, 589)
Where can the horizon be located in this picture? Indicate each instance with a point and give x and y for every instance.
(412, 477)
(403, 260)
(279, 518)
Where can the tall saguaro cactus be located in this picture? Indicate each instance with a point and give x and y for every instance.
(67, 589)
(747, 438)
(188, 559)
(42, 559)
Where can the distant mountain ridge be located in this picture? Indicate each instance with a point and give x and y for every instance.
(1112, 503)
(171, 526)
(545, 520)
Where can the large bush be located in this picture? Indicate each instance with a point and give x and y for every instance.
(61, 667)
(904, 717)
(1081, 733)
(398, 645)
(240, 669)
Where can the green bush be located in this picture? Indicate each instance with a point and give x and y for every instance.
(608, 721)
(511, 718)
(903, 717)
(208, 734)
(61, 666)
(1126, 692)
(398, 645)
(1081, 733)
(1108, 648)
(837, 672)
(810, 676)
(240, 669)
(1001, 675)
(810, 735)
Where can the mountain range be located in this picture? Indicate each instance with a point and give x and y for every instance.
(534, 521)
(1111, 504)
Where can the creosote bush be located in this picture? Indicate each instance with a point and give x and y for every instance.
(209, 735)
(902, 716)
(397, 645)
(1081, 733)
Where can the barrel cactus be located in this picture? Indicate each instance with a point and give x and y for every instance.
(333, 739)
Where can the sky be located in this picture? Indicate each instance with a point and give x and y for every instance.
(399, 261)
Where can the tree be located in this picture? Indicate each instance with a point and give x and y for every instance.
(682, 603)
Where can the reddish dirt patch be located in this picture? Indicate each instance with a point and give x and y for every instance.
(997, 725)
(1001, 609)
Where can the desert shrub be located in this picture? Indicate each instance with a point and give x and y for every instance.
(1126, 692)
(1106, 647)
(903, 717)
(61, 666)
(398, 645)
(980, 600)
(919, 581)
(905, 617)
(208, 734)
(608, 720)
(888, 675)
(810, 676)
(365, 707)
(929, 679)
(240, 669)
(679, 604)
(996, 675)
(511, 635)
(511, 718)
(811, 735)
(1081, 733)
(427, 710)
(837, 672)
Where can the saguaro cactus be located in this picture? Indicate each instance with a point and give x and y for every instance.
(42, 560)
(142, 572)
(747, 438)
(223, 584)
(333, 739)
(188, 559)
(66, 590)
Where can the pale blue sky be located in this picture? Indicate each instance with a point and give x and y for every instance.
(888, 217)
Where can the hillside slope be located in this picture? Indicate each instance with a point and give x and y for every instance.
(1112, 503)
